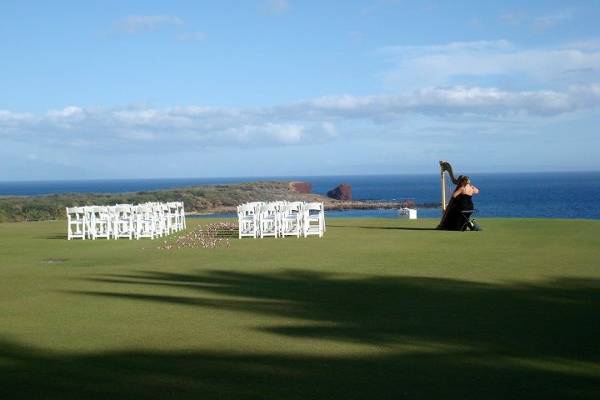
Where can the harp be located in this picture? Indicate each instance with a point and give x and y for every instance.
(445, 167)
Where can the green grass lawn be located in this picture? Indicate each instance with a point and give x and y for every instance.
(378, 308)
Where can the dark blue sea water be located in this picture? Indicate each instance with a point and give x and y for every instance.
(550, 195)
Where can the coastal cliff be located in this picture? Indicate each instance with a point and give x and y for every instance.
(341, 192)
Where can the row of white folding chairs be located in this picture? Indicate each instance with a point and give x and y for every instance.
(281, 219)
(147, 220)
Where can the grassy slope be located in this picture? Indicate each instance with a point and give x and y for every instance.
(377, 308)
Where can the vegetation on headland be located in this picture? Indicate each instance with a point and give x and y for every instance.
(197, 199)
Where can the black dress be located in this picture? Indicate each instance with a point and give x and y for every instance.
(455, 216)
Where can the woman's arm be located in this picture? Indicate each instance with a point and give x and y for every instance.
(458, 191)
(475, 190)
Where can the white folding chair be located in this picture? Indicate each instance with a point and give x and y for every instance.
(76, 223)
(290, 220)
(247, 221)
(269, 220)
(144, 222)
(171, 213)
(158, 219)
(123, 221)
(182, 211)
(313, 219)
(179, 215)
(101, 222)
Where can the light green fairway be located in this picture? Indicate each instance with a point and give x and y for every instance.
(378, 308)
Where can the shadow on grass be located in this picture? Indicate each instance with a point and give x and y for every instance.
(401, 228)
(438, 339)
(55, 237)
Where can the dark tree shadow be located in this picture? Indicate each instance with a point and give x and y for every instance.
(471, 340)
(401, 228)
(55, 237)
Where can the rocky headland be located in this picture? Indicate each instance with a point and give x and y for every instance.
(341, 192)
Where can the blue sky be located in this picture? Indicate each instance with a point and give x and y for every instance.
(126, 89)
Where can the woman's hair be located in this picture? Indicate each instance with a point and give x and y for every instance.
(463, 180)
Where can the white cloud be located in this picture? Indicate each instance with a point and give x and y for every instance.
(456, 100)
(466, 63)
(315, 121)
(282, 133)
(288, 133)
(144, 23)
(8, 117)
(68, 112)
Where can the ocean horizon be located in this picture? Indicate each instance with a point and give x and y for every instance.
(517, 194)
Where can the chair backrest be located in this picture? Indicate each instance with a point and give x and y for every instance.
(75, 210)
(144, 211)
(76, 214)
(296, 206)
(314, 206)
(269, 209)
(247, 209)
(315, 212)
(123, 211)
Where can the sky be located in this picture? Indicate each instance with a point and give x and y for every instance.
(158, 89)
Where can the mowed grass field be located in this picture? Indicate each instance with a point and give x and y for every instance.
(378, 308)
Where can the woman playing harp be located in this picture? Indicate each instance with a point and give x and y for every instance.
(460, 207)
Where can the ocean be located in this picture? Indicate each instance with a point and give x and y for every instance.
(519, 195)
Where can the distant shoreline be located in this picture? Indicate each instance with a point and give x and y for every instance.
(337, 205)
(125, 185)
(198, 200)
(572, 195)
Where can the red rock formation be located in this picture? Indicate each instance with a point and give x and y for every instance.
(301, 187)
(341, 192)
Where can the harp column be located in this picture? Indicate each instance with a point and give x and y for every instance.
(443, 179)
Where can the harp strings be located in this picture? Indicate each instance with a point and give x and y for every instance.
(448, 189)
(448, 180)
